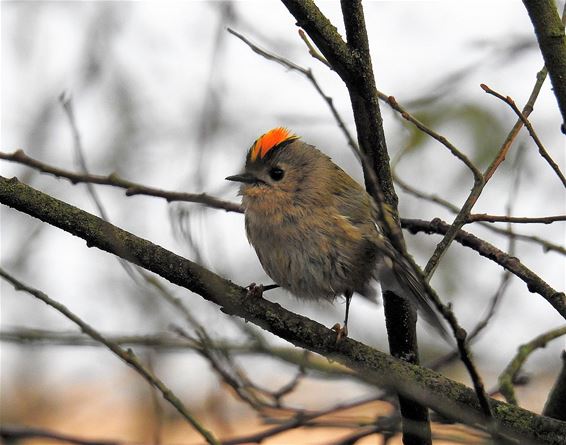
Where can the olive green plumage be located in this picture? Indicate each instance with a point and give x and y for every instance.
(314, 228)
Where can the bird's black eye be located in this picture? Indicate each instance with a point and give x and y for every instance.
(276, 174)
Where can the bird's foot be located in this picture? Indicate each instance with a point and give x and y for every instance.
(255, 290)
(341, 332)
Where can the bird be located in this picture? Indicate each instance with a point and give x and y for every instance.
(315, 229)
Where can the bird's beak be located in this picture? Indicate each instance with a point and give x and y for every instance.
(246, 178)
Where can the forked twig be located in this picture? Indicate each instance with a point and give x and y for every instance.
(543, 152)
(479, 185)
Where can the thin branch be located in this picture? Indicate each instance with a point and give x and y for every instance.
(534, 283)
(166, 343)
(515, 219)
(312, 50)
(479, 185)
(67, 104)
(546, 245)
(301, 419)
(543, 152)
(158, 412)
(504, 283)
(25, 336)
(310, 76)
(210, 201)
(387, 425)
(222, 363)
(451, 147)
(392, 102)
(510, 372)
(480, 325)
(127, 356)
(527, 110)
(114, 180)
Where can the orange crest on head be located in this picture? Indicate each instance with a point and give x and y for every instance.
(270, 140)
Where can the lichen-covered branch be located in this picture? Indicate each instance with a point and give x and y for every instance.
(507, 377)
(450, 399)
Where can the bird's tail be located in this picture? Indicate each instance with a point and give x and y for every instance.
(398, 275)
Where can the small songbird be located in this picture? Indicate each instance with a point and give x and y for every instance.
(315, 230)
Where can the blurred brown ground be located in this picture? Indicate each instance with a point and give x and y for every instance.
(101, 412)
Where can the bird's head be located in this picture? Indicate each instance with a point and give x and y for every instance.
(280, 169)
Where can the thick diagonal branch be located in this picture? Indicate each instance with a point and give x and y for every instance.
(451, 399)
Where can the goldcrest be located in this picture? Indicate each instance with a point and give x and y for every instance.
(314, 228)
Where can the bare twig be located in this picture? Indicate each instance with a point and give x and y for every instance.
(451, 147)
(162, 342)
(300, 419)
(479, 185)
(534, 283)
(221, 361)
(158, 413)
(310, 76)
(67, 104)
(543, 152)
(390, 100)
(127, 356)
(389, 425)
(546, 245)
(114, 180)
(503, 285)
(480, 325)
(312, 50)
(512, 369)
(80, 159)
(515, 219)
